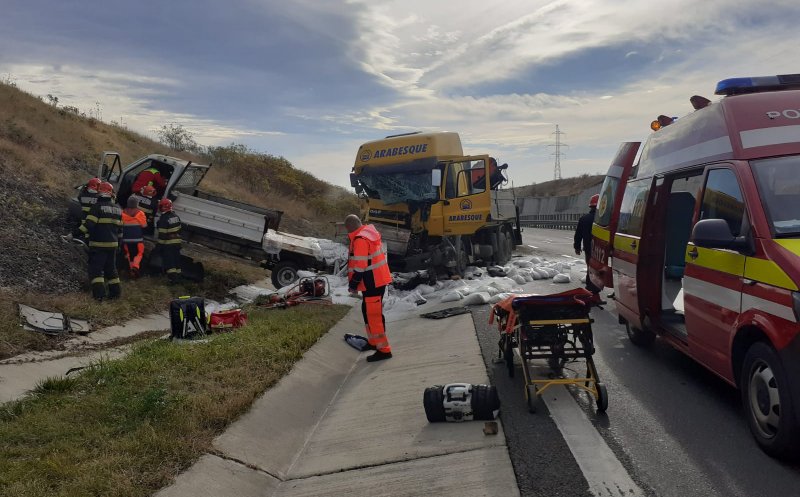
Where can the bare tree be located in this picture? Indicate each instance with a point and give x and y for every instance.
(176, 137)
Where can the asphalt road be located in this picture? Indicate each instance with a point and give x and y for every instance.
(677, 428)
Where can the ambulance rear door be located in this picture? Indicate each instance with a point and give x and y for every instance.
(607, 216)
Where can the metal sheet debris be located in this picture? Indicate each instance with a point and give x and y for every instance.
(51, 323)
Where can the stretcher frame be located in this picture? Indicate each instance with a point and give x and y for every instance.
(556, 328)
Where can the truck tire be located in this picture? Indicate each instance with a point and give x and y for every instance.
(505, 246)
(768, 402)
(284, 274)
(461, 257)
(485, 402)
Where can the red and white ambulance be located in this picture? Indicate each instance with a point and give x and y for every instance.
(701, 239)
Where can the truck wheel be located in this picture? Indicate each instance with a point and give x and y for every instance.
(768, 402)
(433, 401)
(640, 338)
(461, 257)
(284, 274)
(505, 246)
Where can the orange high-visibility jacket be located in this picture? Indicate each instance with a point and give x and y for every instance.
(133, 223)
(367, 266)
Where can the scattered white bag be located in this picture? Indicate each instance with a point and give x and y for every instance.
(536, 260)
(561, 278)
(452, 296)
(425, 289)
(522, 263)
(477, 299)
(519, 279)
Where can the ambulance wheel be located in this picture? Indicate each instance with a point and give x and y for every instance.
(531, 398)
(768, 402)
(284, 274)
(508, 354)
(602, 397)
(640, 338)
(485, 402)
(433, 400)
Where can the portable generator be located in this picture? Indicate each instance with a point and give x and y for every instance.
(461, 402)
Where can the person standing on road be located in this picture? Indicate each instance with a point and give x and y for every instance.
(583, 240)
(102, 228)
(368, 273)
(133, 224)
(169, 240)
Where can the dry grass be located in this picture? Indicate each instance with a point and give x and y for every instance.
(560, 187)
(127, 427)
(139, 297)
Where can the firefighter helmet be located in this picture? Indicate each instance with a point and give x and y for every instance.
(165, 205)
(105, 189)
(593, 201)
(93, 184)
(148, 191)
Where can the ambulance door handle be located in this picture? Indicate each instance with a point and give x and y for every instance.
(693, 253)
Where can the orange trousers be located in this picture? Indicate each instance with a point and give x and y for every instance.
(133, 254)
(374, 322)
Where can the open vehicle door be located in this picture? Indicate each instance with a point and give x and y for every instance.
(110, 167)
(465, 190)
(607, 216)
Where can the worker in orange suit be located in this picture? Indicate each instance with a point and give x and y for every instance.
(368, 273)
(134, 222)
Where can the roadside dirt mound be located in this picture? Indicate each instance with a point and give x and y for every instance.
(33, 254)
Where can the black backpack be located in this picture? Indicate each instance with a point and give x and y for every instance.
(187, 317)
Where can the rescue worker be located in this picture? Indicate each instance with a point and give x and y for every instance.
(147, 202)
(87, 197)
(583, 240)
(133, 224)
(102, 229)
(150, 176)
(368, 273)
(169, 240)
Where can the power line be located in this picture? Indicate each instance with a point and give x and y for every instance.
(558, 153)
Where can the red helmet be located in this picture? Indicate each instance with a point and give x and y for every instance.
(165, 205)
(105, 189)
(148, 191)
(93, 184)
(593, 201)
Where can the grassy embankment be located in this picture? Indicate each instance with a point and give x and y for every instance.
(47, 149)
(127, 427)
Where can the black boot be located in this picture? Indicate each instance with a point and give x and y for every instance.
(379, 356)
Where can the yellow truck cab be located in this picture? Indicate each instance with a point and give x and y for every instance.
(436, 209)
(701, 239)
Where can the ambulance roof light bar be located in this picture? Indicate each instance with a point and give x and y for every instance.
(737, 86)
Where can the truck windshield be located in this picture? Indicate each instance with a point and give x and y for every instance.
(396, 188)
(779, 186)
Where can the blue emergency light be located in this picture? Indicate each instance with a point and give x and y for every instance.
(736, 86)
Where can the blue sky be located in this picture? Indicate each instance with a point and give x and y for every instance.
(312, 79)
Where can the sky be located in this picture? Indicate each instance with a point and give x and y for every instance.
(310, 80)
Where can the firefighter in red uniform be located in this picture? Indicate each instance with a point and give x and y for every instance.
(583, 240)
(169, 240)
(150, 176)
(368, 273)
(102, 229)
(133, 224)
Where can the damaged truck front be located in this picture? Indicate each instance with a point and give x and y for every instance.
(436, 209)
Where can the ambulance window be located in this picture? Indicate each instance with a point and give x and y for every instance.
(631, 212)
(605, 206)
(723, 199)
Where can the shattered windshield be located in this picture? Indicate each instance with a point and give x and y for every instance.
(779, 185)
(395, 188)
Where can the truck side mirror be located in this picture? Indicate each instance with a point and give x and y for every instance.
(104, 171)
(715, 233)
(353, 180)
(436, 177)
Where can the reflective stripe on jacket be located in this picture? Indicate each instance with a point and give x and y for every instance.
(133, 226)
(87, 199)
(169, 229)
(103, 224)
(146, 204)
(367, 266)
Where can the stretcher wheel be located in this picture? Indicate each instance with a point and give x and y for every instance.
(508, 355)
(602, 397)
(532, 398)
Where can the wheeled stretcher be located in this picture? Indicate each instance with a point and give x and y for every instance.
(556, 328)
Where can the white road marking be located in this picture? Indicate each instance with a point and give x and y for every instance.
(607, 477)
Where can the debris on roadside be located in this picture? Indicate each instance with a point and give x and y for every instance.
(50, 323)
